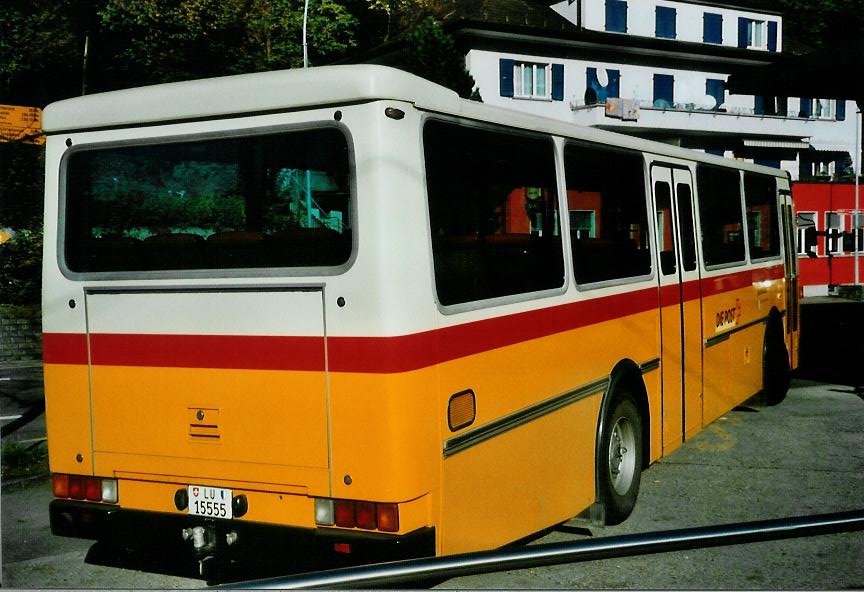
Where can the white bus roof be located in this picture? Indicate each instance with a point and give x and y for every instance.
(285, 90)
(244, 94)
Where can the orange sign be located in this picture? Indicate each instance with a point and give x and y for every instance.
(21, 124)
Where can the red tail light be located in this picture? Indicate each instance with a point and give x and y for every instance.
(345, 515)
(93, 489)
(81, 487)
(388, 517)
(76, 487)
(354, 514)
(365, 513)
(61, 485)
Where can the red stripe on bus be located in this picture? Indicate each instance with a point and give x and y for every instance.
(64, 348)
(247, 352)
(373, 354)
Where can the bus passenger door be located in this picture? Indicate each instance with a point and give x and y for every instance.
(680, 310)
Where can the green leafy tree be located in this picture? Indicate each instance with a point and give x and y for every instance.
(181, 39)
(405, 15)
(823, 24)
(21, 268)
(39, 50)
(431, 53)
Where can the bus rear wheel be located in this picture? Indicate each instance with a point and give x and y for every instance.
(776, 373)
(620, 460)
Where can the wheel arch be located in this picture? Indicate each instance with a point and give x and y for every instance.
(625, 375)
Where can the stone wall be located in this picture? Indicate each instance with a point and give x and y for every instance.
(20, 333)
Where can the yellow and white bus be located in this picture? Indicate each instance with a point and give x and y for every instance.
(342, 309)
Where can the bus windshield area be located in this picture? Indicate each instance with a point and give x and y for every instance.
(274, 200)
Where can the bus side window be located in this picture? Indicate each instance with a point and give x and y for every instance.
(493, 213)
(721, 215)
(608, 213)
(763, 224)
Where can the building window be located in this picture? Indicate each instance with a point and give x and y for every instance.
(712, 28)
(616, 16)
(598, 93)
(664, 25)
(717, 89)
(856, 234)
(664, 90)
(806, 107)
(834, 228)
(528, 80)
(823, 109)
(582, 224)
(805, 220)
(531, 81)
(754, 34)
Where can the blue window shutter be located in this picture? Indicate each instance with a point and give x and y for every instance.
(557, 82)
(717, 89)
(712, 28)
(616, 16)
(840, 114)
(506, 77)
(664, 90)
(806, 107)
(759, 105)
(782, 106)
(664, 25)
(772, 36)
(613, 89)
(743, 40)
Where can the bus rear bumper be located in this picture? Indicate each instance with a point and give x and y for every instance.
(235, 540)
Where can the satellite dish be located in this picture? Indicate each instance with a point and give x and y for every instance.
(602, 77)
(707, 102)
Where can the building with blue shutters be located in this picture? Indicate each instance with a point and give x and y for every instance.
(656, 69)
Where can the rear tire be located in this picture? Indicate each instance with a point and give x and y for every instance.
(620, 468)
(776, 373)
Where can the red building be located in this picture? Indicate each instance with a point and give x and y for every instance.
(830, 208)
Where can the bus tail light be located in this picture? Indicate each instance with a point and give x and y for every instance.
(81, 487)
(61, 485)
(345, 513)
(388, 517)
(357, 514)
(365, 515)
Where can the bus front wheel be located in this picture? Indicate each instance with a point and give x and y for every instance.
(620, 460)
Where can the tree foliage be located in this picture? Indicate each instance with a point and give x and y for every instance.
(405, 15)
(39, 47)
(180, 39)
(21, 268)
(823, 24)
(431, 53)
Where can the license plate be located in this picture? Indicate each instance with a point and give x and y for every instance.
(213, 502)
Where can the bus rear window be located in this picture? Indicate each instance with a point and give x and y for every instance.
(279, 200)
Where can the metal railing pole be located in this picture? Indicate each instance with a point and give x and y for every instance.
(450, 566)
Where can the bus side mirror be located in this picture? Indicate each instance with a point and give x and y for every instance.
(810, 241)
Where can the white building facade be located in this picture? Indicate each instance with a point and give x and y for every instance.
(658, 69)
